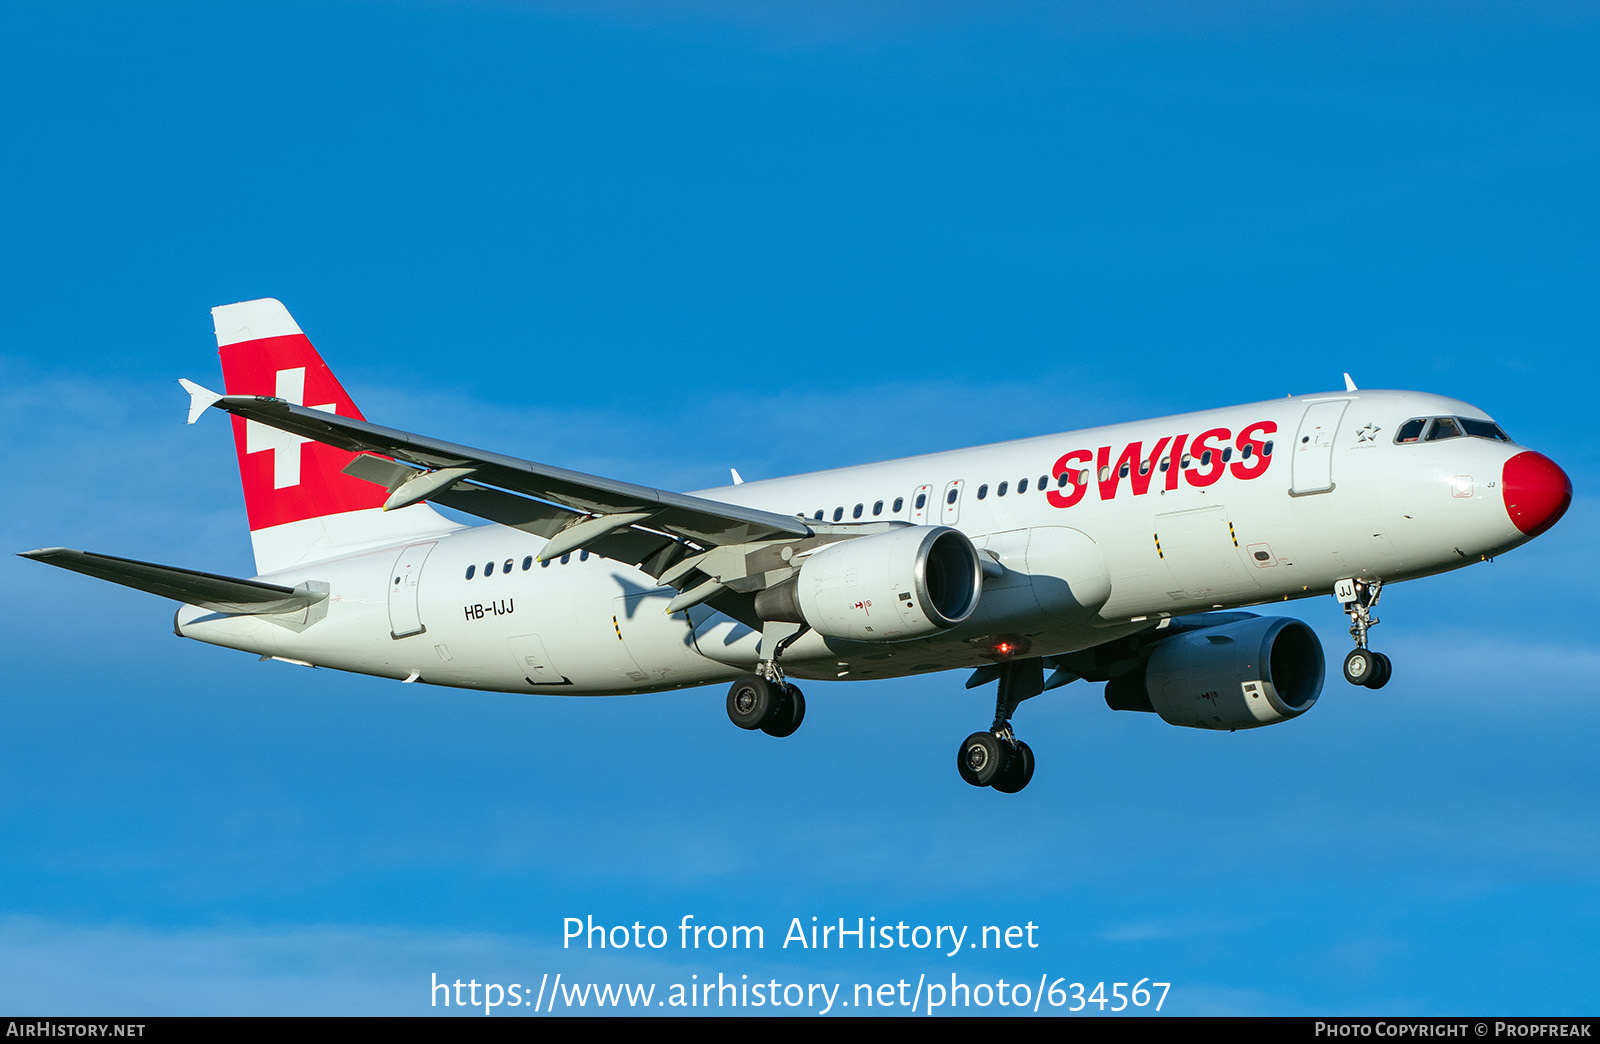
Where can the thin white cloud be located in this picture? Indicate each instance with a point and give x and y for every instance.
(61, 968)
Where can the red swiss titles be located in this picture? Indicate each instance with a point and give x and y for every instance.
(1202, 464)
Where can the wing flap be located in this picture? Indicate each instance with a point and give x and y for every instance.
(621, 544)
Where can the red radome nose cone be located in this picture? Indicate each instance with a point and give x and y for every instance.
(1537, 492)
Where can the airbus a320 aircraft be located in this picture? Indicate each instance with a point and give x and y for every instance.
(1110, 555)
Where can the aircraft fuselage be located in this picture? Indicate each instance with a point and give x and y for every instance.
(1095, 533)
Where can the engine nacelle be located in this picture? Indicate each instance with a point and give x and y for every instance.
(1234, 676)
(907, 583)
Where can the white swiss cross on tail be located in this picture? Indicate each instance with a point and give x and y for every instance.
(284, 446)
(301, 504)
(287, 478)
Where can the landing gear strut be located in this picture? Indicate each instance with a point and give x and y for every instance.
(765, 700)
(1362, 666)
(997, 758)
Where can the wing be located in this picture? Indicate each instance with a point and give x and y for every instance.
(693, 518)
(707, 549)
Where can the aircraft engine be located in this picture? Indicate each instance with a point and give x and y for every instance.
(907, 583)
(1241, 675)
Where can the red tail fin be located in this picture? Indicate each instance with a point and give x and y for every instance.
(290, 481)
(286, 478)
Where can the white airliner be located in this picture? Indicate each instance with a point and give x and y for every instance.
(1101, 555)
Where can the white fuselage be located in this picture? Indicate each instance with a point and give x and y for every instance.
(1313, 489)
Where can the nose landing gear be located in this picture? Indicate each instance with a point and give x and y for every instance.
(1365, 667)
(1362, 666)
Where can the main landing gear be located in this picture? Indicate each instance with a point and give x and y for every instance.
(1362, 666)
(773, 706)
(766, 701)
(997, 758)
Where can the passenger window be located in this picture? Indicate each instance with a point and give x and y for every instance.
(899, 502)
(1062, 481)
(877, 509)
(838, 513)
(545, 564)
(507, 567)
(1227, 454)
(1022, 486)
(983, 491)
(1002, 490)
(922, 501)
(527, 563)
(1044, 480)
(583, 556)
(1122, 472)
(566, 558)
(950, 497)
(488, 569)
(819, 514)
(1266, 451)
(471, 570)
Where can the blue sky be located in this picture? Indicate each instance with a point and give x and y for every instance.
(657, 243)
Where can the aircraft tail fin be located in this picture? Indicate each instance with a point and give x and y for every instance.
(301, 504)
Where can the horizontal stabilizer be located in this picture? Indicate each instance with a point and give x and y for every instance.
(222, 594)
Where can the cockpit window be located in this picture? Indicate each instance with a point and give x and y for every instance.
(1483, 429)
(1443, 428)
(1439, 428)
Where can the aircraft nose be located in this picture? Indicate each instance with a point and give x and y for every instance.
(1537, 492)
